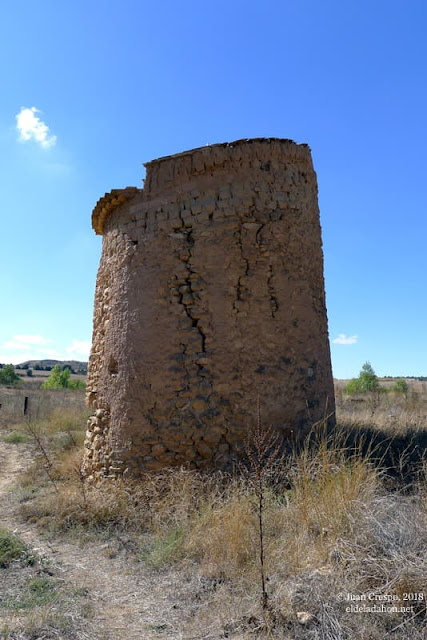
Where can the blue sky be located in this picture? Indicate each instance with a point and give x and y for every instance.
(104, 86)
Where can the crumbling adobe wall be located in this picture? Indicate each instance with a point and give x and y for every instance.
(209, 293)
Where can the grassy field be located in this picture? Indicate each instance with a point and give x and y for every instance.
(342, 523)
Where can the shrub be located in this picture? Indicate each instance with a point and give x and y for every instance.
(76, 384)
(8, 374)
(401, 386)
(15, 438)
(11, 548)
(353, 387)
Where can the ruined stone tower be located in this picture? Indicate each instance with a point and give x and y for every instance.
(209, 293)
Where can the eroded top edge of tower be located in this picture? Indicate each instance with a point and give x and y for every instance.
(225, 145)
(163, 173)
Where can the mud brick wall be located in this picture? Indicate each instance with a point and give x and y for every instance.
(209, 293)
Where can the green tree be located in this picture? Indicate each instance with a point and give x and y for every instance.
(367, 381)
(60, 379)
(368, 378)
(8, 374)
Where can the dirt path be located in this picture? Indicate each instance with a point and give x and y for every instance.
(125, 597)
(13, 461)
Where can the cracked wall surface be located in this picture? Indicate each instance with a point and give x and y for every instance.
(209, 293)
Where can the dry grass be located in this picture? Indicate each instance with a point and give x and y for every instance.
(332, 527)
(222, 537)
(34, 601)
(334, 524)
(56, 408)
(393, 413)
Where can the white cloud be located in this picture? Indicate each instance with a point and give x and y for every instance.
(79, 349)
(31, 339)
(21, 341)
(343, 339)
(12, 344)
(15, 358)
(22, 347)
(30, 127)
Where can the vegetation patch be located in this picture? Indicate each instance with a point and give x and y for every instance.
(164, 549)
(16, 437)
(12, 549)
(37, 591)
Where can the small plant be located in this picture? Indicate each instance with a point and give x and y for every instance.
(34, 433)
(262, 448)
(41, 591)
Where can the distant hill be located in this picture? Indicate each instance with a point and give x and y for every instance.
(47, 365)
